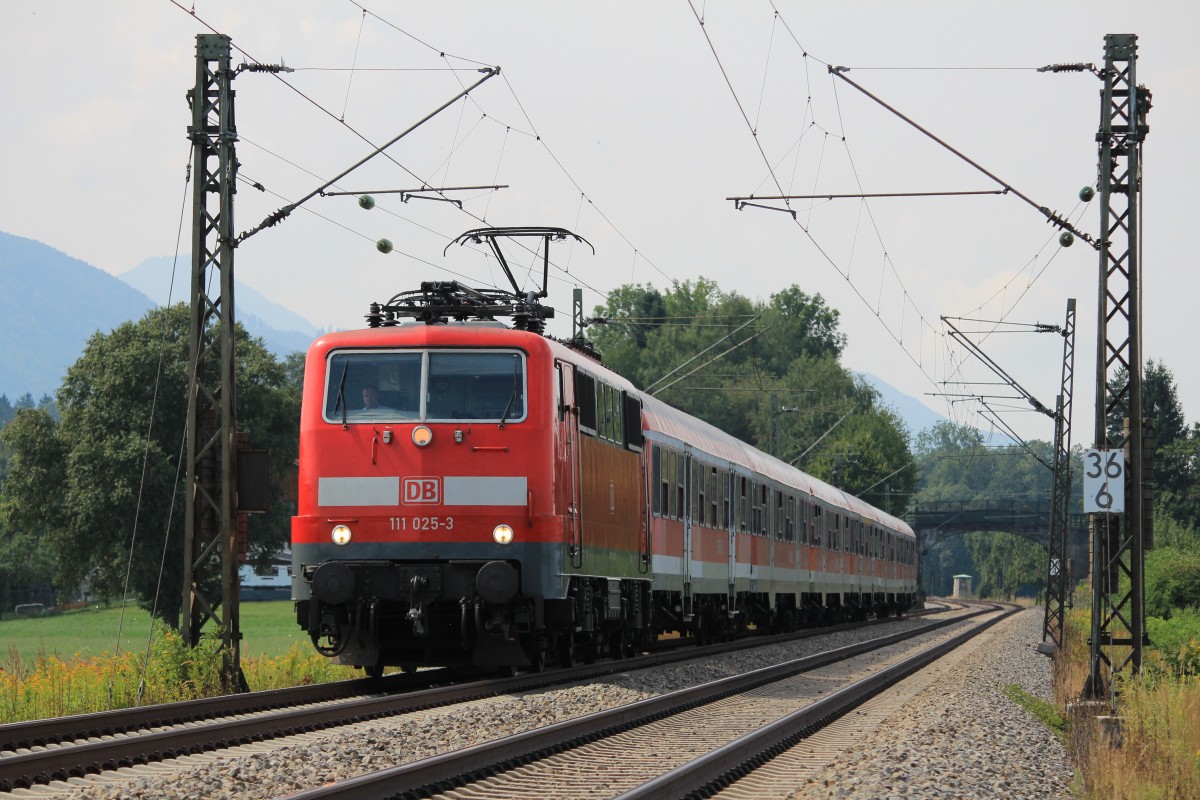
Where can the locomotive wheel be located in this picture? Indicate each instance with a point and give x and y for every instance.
(616, 644)
(374, 671)
(566, 650)
(329, 645)
(535, 649)
(705, 628)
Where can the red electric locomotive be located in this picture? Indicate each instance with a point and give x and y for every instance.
(477, 494)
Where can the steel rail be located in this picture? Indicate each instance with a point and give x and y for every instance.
(444, 772)
(58, 730)
(205, 729)
(721, 767)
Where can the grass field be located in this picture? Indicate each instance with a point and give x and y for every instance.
(268, 629)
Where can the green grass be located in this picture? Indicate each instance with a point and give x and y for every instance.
(1046, 712)
(268, 628)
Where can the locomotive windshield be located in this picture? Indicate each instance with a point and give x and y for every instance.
(437, 385)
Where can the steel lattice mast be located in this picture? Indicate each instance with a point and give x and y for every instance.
(1119, 541)
(210, 581)
(1057, 577)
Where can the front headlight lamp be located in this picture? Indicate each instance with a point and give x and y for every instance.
(502, 534)
(340, 534)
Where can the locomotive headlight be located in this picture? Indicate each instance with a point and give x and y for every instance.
(422, 436)
(502, 534)
(340, 534)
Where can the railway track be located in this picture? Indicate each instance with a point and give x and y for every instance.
(42, 751)
(691, 742)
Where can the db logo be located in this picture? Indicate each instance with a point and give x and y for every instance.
(421, 491)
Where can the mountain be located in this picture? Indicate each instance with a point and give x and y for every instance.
(915, 414)
(918, 416)
(49, 305)
(282, 330)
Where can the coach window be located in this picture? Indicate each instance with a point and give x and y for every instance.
(603, 410)
(755, 510)
(780, 527)
(680, 477)
(764, 509)
(372, 386)
(726, 499)
(669, 506)
(664, 480)
(790, 519)
(768, 503)
(699, 481)
(761, 491)
(632, 409)
(474, 386)
(656, 479)
(741, 501)
(713, 498)
(604, 406)
(616, 422)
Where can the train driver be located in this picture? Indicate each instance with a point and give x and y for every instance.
(370, 396)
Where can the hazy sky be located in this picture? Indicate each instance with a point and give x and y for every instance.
(615, 120)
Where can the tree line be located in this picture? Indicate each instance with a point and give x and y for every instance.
(91, 484)
(768, 373)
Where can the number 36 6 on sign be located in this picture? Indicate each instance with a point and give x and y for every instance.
(1103, 481)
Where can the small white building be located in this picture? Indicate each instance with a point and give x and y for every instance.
(962, 587)
(270, 582)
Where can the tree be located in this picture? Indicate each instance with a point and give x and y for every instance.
(100, 489)
(1005, 563)
(868, 457)
(24, 561)
(766, 373)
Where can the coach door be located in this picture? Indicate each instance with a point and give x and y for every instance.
(731, 516)
(685, 489)
(568, 436)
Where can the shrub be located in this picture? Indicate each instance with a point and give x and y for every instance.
(1177, 641)
(1172, 582)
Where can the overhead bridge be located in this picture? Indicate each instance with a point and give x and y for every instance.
(941, 519)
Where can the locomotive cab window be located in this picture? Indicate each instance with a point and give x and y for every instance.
(477, 386)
